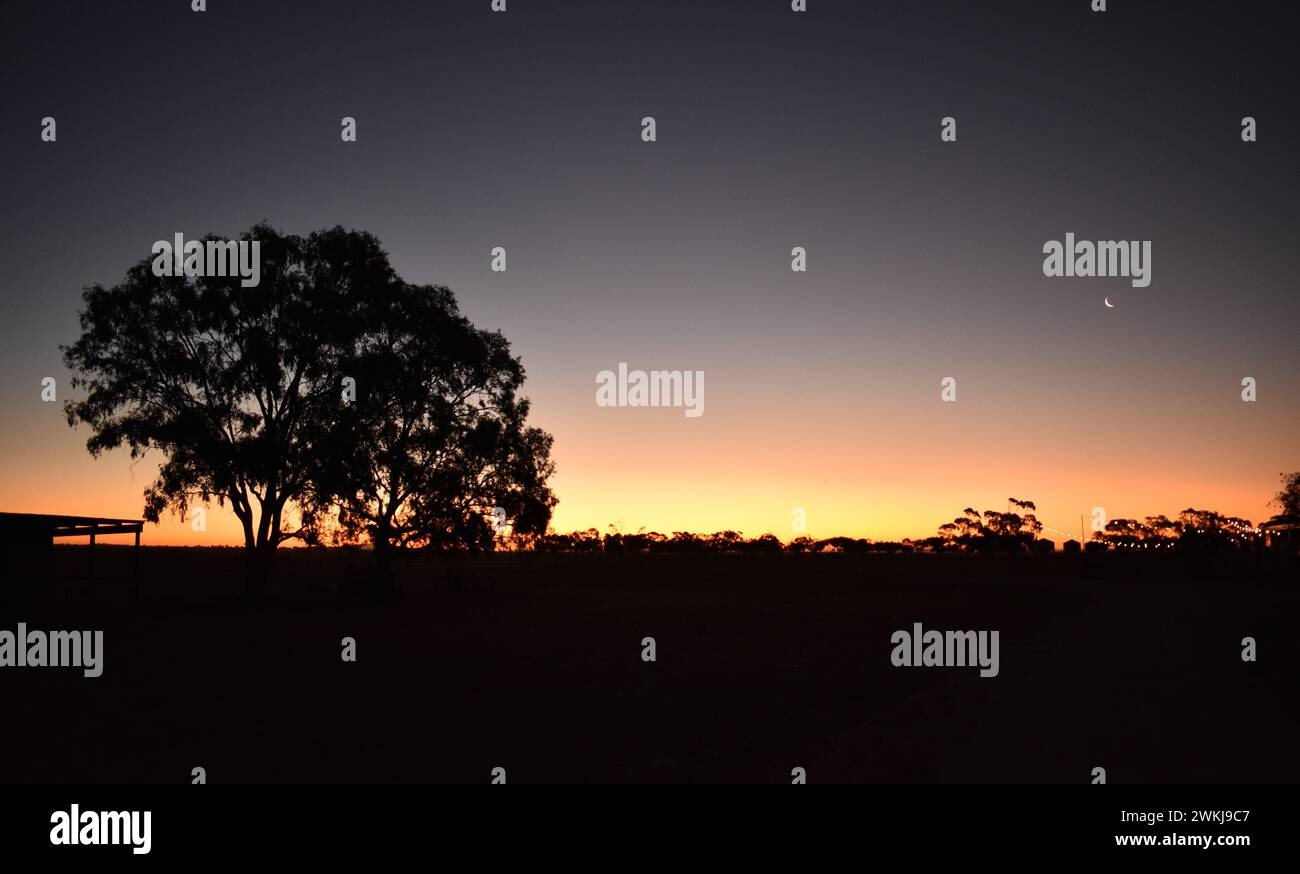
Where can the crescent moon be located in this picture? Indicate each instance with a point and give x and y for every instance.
(1108, 303)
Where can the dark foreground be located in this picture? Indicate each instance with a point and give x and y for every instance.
(764, 664)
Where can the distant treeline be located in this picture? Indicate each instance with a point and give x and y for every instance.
(1204, 529)
(679, 542)
(973, 531)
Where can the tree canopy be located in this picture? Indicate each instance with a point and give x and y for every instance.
(331, 384)
(438, 453)
(1288, 496)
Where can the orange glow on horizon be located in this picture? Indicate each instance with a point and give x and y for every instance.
(650, 472)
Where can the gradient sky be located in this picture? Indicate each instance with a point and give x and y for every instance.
(775, 129)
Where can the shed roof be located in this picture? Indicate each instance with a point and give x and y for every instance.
(47, 525)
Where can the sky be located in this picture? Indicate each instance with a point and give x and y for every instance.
(775, 129)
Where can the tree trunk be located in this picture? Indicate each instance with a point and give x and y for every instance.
(383, 585)
(257, 573)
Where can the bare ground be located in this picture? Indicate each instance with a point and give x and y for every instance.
(533, 663)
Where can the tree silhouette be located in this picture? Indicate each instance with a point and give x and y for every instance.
(1023, 505)
(241, 390)
(231, 384)
(1124, 532)
(1160, 530)
(434, 452)
(1288, 497)
(992, 531)
(1208, 530)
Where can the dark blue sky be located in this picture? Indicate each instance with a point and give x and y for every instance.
(775, 129)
